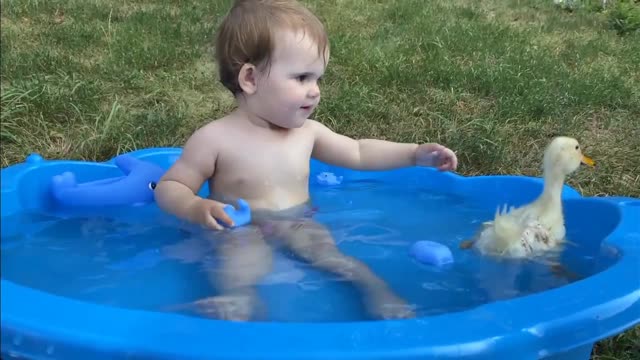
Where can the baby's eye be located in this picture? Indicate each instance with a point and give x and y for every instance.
(302, 78)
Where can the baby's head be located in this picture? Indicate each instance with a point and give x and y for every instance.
(249, 33)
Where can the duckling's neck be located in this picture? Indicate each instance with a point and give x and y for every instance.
(553, 183)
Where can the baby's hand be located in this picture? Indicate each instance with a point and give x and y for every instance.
(208, 212)
(436, 155)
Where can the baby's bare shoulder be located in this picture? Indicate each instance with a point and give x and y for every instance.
(214, 128)
(212, 132)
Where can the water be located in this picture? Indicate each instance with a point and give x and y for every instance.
(140, 258)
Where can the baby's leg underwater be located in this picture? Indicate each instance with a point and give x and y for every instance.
(245, 260)
(313, 243)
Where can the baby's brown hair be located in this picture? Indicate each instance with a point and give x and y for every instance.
(246, 34)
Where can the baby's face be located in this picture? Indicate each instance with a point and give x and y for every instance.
(288, 91)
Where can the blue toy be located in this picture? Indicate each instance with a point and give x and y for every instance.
(135, 187)
(328, 178)
(432, 253)
(241, 216)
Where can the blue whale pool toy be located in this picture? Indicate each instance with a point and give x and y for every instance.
(135, 187)
(562, 323)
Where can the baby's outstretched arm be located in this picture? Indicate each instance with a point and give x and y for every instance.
(366, 154)
(373, 154)
(177, 191)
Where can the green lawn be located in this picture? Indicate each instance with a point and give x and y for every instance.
(494, 80)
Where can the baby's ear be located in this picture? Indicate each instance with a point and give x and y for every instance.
(247, 78)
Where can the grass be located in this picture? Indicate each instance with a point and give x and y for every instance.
(494, 80)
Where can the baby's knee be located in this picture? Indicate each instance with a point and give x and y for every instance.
(245, 270)
(244, 235)
(251, 251)
(258, 253)
(330, 254)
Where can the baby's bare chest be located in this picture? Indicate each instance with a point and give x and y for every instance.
(254, 162)
(266, 161)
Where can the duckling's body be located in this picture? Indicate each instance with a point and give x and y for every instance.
(538, 227)
(522, 232)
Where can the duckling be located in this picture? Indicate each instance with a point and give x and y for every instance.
(538, 227)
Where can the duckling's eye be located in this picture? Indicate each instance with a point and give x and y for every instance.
(577, 147)
(152, 185)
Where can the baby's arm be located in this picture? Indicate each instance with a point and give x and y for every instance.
(365, 154)
(177, 191)
(371, 154)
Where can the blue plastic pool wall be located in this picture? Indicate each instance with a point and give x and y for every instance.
(563, 323)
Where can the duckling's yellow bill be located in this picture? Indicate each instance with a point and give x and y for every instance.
(588, 161)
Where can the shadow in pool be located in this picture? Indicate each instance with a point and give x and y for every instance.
(589, 222)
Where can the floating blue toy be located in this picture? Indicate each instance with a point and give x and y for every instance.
(328, 178)
(431, 252)
(135, 187)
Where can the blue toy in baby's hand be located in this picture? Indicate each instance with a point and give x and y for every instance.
(431, 253)
(240, 216)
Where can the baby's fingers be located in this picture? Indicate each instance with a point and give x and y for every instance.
(448, 160)
(220, 215)
(211, 223)
(432, 147)
(454, 160)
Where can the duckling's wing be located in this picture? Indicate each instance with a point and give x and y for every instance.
(508, 230)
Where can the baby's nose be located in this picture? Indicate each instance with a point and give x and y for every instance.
(314, 92)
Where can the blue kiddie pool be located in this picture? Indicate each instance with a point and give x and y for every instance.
(92, 269)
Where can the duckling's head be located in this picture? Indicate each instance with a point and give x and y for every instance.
(564, 155)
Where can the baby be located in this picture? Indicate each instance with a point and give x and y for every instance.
(272, 55)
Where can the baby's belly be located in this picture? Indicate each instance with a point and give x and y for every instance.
(260, 197)
(277, 202)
